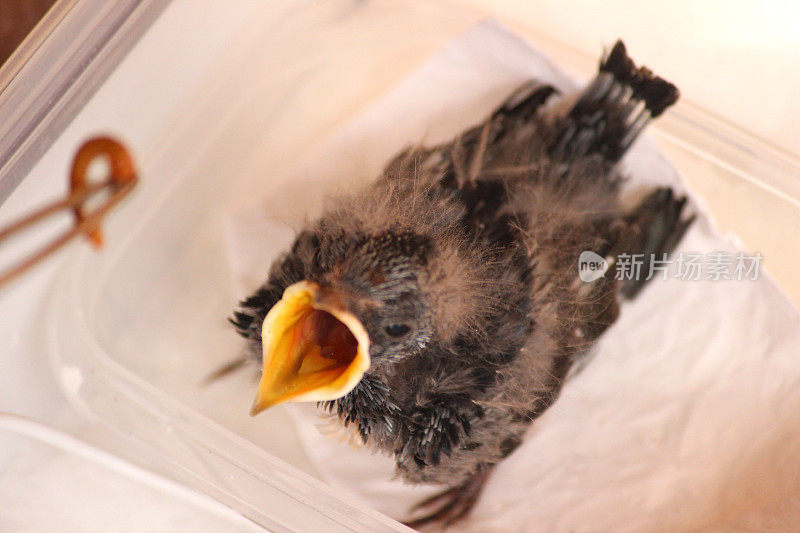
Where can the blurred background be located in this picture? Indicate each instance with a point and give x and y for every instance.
(739, 59)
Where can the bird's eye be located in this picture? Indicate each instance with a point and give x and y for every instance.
(397, 330)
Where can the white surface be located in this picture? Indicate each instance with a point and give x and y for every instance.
(685, 418)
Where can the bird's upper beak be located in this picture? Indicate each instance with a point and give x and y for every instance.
(314, 349)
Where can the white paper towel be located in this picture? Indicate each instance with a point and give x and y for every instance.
(686, 417)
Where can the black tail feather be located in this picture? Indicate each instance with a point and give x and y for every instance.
(526, 101)
(657, 93)
(614, 109)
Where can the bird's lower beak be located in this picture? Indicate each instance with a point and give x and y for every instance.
(314, 349)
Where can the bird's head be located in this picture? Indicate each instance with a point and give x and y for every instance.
(362, 299)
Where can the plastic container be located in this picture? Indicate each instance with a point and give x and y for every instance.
(47, 477)
(134, 331)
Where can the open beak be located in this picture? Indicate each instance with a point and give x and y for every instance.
(314, 349)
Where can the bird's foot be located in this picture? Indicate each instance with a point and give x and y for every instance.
(451, 505)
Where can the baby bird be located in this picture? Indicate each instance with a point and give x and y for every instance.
(438, 312)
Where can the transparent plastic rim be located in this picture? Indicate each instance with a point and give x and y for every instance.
(57, 69)
(55, 439)
(180, 442)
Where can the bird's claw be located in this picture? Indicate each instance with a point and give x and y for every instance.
(451, 505)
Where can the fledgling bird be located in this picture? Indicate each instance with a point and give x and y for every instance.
(438, 311)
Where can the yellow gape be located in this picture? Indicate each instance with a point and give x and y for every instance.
(314, 349)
